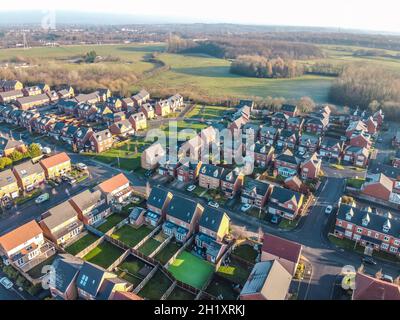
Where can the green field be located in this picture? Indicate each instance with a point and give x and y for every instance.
(191, 269)
(206, 112)
(104, 254)
(81, 244)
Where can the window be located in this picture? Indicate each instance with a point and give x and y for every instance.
(369, 233)
(349, 226)
(359, 230)
(376, 235)
(84, 280)
(396, 242)
(386, 238)
(393, 249)
(340, 222)
(384, 246)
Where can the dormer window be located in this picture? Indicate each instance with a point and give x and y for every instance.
(387, 226)
(365, 220)
(349, 215)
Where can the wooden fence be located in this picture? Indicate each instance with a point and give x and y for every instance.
(89, 248)
(183, 248)
(151, 234)
(118, 261)
(145, 280)
(161, 246)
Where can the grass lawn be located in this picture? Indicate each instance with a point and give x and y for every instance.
(220, 286)
(81, 244)
(180, 294)
(246, 252)
(355, 183)
(104, 254)
(129, 269)
(206, 112)
(156, 287)
(36, 272)
(288, 224)
(111, 221)
(236, 271)
(149, 246)
(130, 235)
(191, 269)
(167, 252)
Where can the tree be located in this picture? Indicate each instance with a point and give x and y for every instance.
(90, 57)
(5, 162)
(306, 104)
(16, 156)
(34, 150)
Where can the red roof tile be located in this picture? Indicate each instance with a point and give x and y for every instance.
(281, 248)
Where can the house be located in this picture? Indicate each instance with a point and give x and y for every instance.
(294, 183)
(188, 171)
(66, 93)
(255, 192)
(26, 119)
(231, 182)
(279, 120)
(101, 141)
(295, 124)
(249, 103)
(287, 139)
(66, 268)
(103, 112)
(25, 246)
(379, 117)
(138, 121)
(162, 108)
(10, 85)
(8, 186)
(242, 112)
(213, 227)
(182, 217)
(237, 125)
(309, 142)
(56, 166)
(141, 97)
(355, 127)
(168, 166)
(371, 288)
(81, 138)
(104, 94)
(251, 131)
(69, 107)
(29, 175)
(372, 126)
(31, 102)
(378, 186)
(285, 203)
(32, 91)
(148, 110)
(389, 171)
(191, 149)
(116, 188)
(175, 101)
(360, 140)
(137, 215)
(396, 159)
(8, 146)
(331, 148)
(114, 103)
(111, 118)
(61, 224)
(122, 128)
(86, 111)
(268, 280)
(357, 156)
(44, 124)
(128, 105)
(91, 206)
(378, 232)
(263, 154)
(288, 253)
(44, 87)
(210, 176)
(289, 109)
(10, 96)
(157, 204)
(286, 164)
(95, 283)
(89, 98)
(311, 167)
(316, 125)
(269, 135)
(151, 156)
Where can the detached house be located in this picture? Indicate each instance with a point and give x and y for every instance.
(8, 186)
(152, 155)
(231, 182)
(9, 96)
(128, 105)
(66, 93)
(361, 140)
(122, 128)
(378, 186)
(61, 223)
(157, 204)
(289, 109)
(81, 138)
(31, 102)
(263, 154)
(213, 227)
(91, 206)
(295, 124)
(355, 127)
(331, 148)
(162, 108)
(255, 192)
(116, 188)
(56, 165)
(182, 218)
(279, 120)
(286, 164)
(285, 203)
(10, 85)
(357, 156)
(310, 168)
(371, 288)
(101, 141)
(141, 97)
(269, 135)
(309, 142)
(138, 121)
(372, 126)
(316, 125)
(29, 175)
(210, 176)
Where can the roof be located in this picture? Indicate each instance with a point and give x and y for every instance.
(9, 143)
(20, 235)
(28, 168)
(211, 219)
(260, 187)
(113, 183)
(330, 142)
(382, 180)
(389, 171)
(212, 171)
(6, 178)
(288, 107)
(287, 156)
(157, 197)
(281, 248)
(58, 214)
(37, 98)
(66, 267)
(108, 287)
(370, 288)
(268, 278)
(90, 278)
(283, 195)
(122, 295)
(87, 198)
(55, 160)
(182, 208)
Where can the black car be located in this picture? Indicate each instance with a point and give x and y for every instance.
(369, 260)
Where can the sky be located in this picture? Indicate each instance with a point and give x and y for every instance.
(380, 15)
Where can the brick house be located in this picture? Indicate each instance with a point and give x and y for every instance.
(128, 105)
(116, 189)
(162, 108)
(140, 98)
(279, 120)
(294, 183)
(309, 142)
(31, 102)
(286, 164)
(10, 85)
(210, 176)
(396, 159)
(289, 109)
(138, 121)
(9, 96)
(101, 141)
(317, 125)
(295, 124)
(287, 139)
(231, 182)
(311, 167)
(148, 110)
(90, 98)
(66, 93)
(379, 117)
(355, 127)
(85, 111)
(255, 192)
(122, 128)
(29, 175)
(263, 154)
(371, 288)
(372, 126)
(57, 165)
(360, 140)
(32, 91)
(188, 171)
(152, 155)
(378, 186)
(157, 204)
(8, 146)
(285, 203)
(357, 156)
(8, 186)
(269, 135)
(168, 167)
(81, 138)
(368, 229)
(331, 148)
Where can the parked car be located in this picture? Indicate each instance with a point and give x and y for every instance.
(328, 209)
(42, 198)
(81, 166)
(6, 283)
(72, 181)
(387, 278)
(369, 260)
(191, 188)
(46, 150)
(245, 207)
(213, 204)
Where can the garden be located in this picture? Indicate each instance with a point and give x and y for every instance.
(110, 222)
(81, 244)
(133, 270)
(156, 286)
(104, 255)
(167, 252)
(131, 236)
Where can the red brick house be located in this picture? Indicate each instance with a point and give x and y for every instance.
(188, 171)
(101, 141)
(285, 203)
(357, 156)
(237, 125)
(360, 140)
(279, 120)
(379, 186)
(122, 128)
(294, 183)
(309, 142)
(372, 125)
(396, 160)
(286, 164)
(231, 183)
(263, 154)
(255, 192)
(355, 127)
(317, 125)
(288, 139)
(141, 97)
(310, 168)
(331, 148)
(269, 135)
(295, 124)
(379, 117)
(289, 109)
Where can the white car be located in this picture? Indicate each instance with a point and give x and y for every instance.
(46, 150)
(81, 166)
(245, 207)
(191, 188)
(213, 204)
(6, 283)
(328, 209)
(42, 198)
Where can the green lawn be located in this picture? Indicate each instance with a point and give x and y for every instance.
(81, 244)
(167, 252)
(149, 246)
(355, 183)
(246, 252)
(191, 269)
(288, 224)
(236, 271)
(129, 270)
(180, 294)
(130, 235)
(156, 287)
(110, 222)
(206, 112)
(104, 254)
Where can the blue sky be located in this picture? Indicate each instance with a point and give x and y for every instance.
(360, 14)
